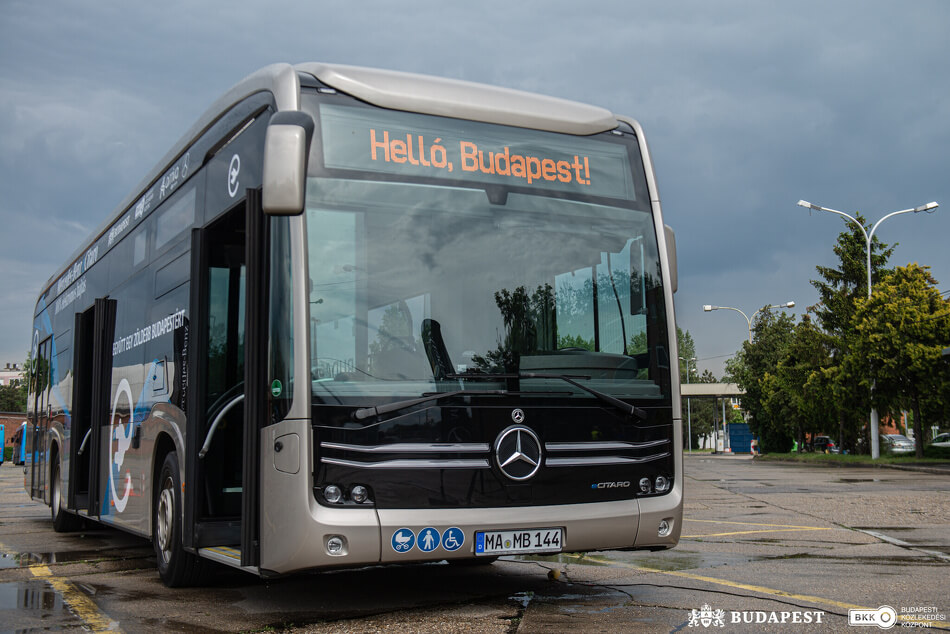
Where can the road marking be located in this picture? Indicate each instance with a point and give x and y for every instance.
(903, 544)
(775, 528)
(751, 588)
(81, 605)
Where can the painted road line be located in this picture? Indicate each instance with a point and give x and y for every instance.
(750, 588)
(903, 544)
(779, 530)
(81, 605)
(771, 528)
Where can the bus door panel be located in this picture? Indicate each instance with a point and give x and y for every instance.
(40, 424)
(214, 477)
(100, 405)
(81, 426)
(257, 404)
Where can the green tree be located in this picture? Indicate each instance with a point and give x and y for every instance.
(755, 371)
(687, 351)
(703, 413)
(693, 409)
(801, 393)
(13, 397)
(902, 330)
(839, 290)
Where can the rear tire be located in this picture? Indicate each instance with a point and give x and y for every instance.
(176, 566)
(63, 521)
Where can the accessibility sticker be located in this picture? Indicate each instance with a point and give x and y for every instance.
(453, 538)
(403, 540)
(428, 540)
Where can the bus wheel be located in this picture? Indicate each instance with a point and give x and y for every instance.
(63, 522)
(176, 566)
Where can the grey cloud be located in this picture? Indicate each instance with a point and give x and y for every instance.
(748, 106)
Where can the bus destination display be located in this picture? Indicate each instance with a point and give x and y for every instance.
(425, 146)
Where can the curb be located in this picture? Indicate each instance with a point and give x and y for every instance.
(943, 469)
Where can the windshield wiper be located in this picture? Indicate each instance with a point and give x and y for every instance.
(367, 412)
(626, 408)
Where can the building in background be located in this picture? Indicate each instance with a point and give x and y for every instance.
(11, 374)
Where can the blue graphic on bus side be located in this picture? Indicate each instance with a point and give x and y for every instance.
(428, 539)
(453, 538)
(403, 540)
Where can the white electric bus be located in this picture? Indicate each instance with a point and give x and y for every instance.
(356, 317)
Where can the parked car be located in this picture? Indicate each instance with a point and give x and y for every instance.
(824, 444)
(941, 440)
(897, 444)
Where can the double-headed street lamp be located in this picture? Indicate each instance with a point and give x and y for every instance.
(929, 207)
(708, 307)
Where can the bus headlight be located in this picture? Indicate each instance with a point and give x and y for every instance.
(332, 494)
(644, 485)
(359, 494)
(662, 484)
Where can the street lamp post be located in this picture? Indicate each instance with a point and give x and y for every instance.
(708, 307)
(929, 207)
(689, 414)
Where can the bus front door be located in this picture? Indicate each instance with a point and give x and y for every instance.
(92, 375)
(39, 424)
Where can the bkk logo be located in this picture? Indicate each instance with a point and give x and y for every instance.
(120, 442)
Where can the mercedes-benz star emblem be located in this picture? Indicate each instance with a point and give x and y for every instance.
(517, 415)
(518, 452)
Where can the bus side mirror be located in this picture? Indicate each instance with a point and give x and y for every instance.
(671, 255)
(286, 147)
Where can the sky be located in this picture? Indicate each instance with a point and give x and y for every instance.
(748, 106)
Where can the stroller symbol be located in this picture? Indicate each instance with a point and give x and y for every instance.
(403, 540)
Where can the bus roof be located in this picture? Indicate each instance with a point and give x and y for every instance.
(463, 99)
(388, 89)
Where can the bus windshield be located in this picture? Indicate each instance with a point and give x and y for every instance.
(428, 280)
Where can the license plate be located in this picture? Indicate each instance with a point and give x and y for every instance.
(532, 540)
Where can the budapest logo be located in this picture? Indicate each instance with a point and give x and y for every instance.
(706, 617)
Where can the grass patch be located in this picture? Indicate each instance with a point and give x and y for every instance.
(853, 459)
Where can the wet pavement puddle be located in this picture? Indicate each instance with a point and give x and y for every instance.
(668, 561)
(32, 605)
(25, 560)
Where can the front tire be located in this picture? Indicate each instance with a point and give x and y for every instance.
(176, 566)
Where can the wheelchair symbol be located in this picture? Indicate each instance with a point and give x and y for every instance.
(453, 538)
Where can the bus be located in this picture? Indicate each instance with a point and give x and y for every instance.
(360, 317)
(19, 446)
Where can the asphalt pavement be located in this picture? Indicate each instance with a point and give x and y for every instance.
(766, 547)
